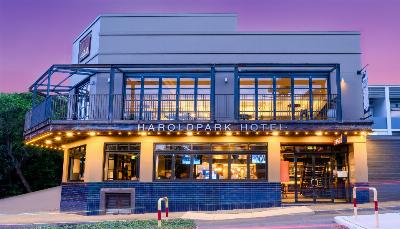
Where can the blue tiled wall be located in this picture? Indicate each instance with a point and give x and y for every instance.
(183, 196)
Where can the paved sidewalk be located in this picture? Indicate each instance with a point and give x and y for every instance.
(65, 218)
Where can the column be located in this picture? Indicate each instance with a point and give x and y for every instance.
(360, 174)
(65, 166)
(274, 160)
(94, 160)
(146, 160)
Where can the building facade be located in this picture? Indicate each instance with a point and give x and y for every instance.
(185, 106)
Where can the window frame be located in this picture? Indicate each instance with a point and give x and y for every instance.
(69, 162)
(117, 151)
(178, 76)
(210, 153)
(274, 77)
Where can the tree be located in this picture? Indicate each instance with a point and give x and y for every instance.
(15, 153)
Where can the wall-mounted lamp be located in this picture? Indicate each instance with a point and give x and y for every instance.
(226, 80)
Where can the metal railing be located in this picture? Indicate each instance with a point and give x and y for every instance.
(183, 107)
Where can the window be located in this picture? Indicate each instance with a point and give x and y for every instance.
(285, 97)
(216, 161)
(122, 161)
(168, 97)
(76, 163)
(82, 99)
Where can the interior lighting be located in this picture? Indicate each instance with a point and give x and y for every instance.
(92, 133)
(69, 134)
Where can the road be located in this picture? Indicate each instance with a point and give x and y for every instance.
(318, 220)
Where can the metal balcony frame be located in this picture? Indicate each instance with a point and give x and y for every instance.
(44, 86)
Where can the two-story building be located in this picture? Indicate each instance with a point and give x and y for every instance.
(185, 106)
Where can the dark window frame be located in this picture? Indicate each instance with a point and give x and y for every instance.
(210, 152)
(120, 151)
(81, 152)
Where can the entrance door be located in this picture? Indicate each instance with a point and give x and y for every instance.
(314, 178)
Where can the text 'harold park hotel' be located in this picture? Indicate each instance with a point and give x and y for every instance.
(185, 106)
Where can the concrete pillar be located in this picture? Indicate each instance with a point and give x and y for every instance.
(146, 160)
(94, 160)
(65, 166)
(274, 160)
(359, 161)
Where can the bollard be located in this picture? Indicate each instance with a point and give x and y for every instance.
(375, 203)
(159, 209)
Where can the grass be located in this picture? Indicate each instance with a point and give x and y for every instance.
(147, 224)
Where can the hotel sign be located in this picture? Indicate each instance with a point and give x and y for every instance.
(84, 47)
(210, 127)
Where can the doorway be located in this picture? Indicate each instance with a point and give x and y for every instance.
(314, 173)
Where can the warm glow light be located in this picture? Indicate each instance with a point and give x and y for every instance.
(178, 133)
(119, 133)
(275, 133)
(336, 133)
(247, 133)
(237, 132)
(287, 132)
(110, 133)
(98, 133)
(58, 138)
(228, 133)
(345, 133)
(169, 133)
(158, 133)
(257, 133)
(297, 133)
(143, 133)
(326, 133)
(355, 132)
(92, 133)
(189, 133)
(306, 133)
(78, 133)
(217, 133)
(48, 142)
(69, 134)
(63, 146)
(59, 133)
(208, 133)
(318, 133)
(363, 133)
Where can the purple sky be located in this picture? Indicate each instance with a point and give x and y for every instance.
(37, 34)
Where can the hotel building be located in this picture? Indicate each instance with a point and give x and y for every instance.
(185, 106)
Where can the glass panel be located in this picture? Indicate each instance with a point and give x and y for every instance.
(258, 166)
(182, 166)
(164, 167)
(247, 99)
(203, 98)
(238, 166)
(123, 166)
(186, 99)
(321, 107)
(77, 158)
(283, 99)
(150, 98)
(132, 99)
(265, 99)
(219, 169)
(201, 167)
(168, 104)
(302, 98)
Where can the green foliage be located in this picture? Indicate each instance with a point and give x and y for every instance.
(147, 224)
(41, 168)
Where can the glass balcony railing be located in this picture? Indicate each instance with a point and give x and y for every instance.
(182, 107)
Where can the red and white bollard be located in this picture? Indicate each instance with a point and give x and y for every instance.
(159, 209)
(375, 202)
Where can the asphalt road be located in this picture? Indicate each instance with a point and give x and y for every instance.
(318, 220)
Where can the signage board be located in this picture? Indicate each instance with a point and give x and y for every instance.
(211, 127)
(341, 140)
(84, 47)
(364, 81)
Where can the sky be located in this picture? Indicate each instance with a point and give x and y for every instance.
(34, 34)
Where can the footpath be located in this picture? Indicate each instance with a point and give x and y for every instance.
(57, 218)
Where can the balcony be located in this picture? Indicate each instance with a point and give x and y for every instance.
(180, 108)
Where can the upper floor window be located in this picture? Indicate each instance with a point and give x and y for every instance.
(285, 97)
(168, 97)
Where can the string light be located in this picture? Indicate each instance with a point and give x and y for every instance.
(92, 133)
(275, 133)
(189, 133)
(69, 134)
(318, 133)
(228, 133)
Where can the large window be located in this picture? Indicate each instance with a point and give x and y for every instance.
(285, 97)
(122, 161)
(76, 163)
(204, 161)
(168, 97)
